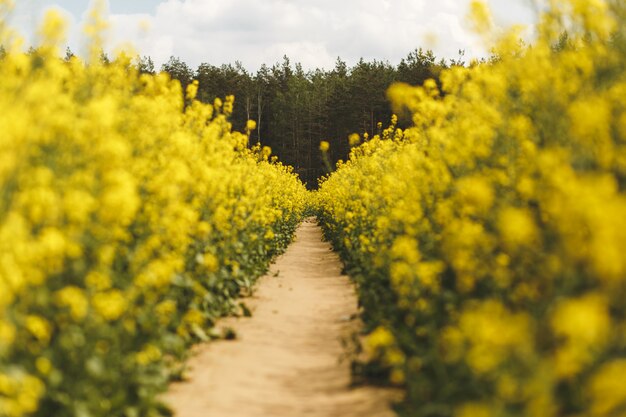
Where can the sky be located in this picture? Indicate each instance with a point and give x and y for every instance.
(253, 32)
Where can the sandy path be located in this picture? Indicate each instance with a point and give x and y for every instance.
(285, 361)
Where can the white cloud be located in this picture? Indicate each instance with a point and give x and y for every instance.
(313, 32)
(309, 54)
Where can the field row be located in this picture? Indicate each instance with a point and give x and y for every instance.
(488, 239)
(130, 219)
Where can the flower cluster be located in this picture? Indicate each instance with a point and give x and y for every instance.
(131, 217)
(488, 239)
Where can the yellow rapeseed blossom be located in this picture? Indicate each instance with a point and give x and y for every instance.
(475, 194)
(109, 305)
(606, 389)
(43, 365)
(192, 90)
(473, 410)
(39, 327)
(75, 299)
(148, 354)
(193, 317)
(494, 334)
(354, 139)
(517, 227)
(584, 325)
(380, 338)
(210, 261)
(114, 184)
(487, 239)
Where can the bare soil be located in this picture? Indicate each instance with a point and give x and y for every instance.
(289, 359)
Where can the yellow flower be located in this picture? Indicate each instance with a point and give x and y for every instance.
(32, 390)
(193, 317)
(192, 90)
(7, 334)
(473, 410)
(380, 338)
(494, 334)
(38, 327)
(98, 280)
(148, 354)
(517, 227)
(585, 320)
(52, 246)
(165, 311)
(476, 194)
(75, 299)
(406, 248)
(109, 305)
(584, 326)
(110, 178)
(324, 146)
(607, 390)
(43, 365)
(211, 262)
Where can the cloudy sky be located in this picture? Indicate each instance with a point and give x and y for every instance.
(312, 32)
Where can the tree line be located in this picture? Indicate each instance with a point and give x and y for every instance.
(295, 110)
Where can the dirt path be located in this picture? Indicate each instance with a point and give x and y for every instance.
(285, 361)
